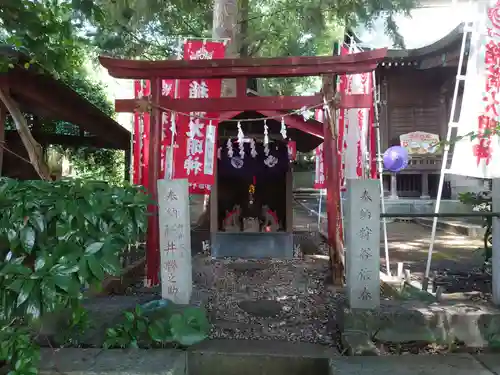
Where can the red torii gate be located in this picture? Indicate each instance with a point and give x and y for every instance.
(242, 69)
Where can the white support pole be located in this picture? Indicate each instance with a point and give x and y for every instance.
(451, 125)
(131, 161)
(376, 125)
(319, 208)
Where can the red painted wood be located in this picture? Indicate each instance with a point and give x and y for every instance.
(153, 234)
(241, 87)
(234, 72)
(332, 170)
(249, 103)
(309, 127)
(252, 67)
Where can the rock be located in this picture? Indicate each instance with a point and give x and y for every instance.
(262, 307)
(247, 267)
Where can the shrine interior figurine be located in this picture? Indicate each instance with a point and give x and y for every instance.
(251, 225)
(232, 222)
(270, 221)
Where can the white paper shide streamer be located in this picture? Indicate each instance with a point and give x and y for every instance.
(230, 151)
(241, 144)
(253, 151)
(266, 139)
(283, 128)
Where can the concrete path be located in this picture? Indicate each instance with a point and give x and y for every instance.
(450, 364)
(247, 361)
(409, 243)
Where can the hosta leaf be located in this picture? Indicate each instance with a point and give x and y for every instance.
(38, 221)
(93, 248)
(95, 267)
(25, 292)
(16, 285)
(28, 235)
(111, 264)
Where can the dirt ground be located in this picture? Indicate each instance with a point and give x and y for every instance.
(409, 243)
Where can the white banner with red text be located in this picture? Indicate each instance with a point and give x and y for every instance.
(140, 148)
(479, 156)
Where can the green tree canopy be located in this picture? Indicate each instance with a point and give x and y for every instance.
(268, 28)
(53, 33)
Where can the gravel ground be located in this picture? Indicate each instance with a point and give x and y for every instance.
(268, 299)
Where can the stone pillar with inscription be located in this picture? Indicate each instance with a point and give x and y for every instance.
(363, 243)
(425, 186)
(175, 240)
(394, 186)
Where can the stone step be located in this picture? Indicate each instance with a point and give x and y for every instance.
(456, 227)
(473, 323)
(251, 357)
(112, 362)
(449, 364)
(258, 358)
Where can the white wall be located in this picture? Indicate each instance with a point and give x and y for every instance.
(115, 89)
(416, 30)
(463, 184)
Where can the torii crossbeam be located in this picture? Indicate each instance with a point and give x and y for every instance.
(241, 69)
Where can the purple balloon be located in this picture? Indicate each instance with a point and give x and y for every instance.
(395, 158)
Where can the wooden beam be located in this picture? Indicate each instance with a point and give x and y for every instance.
(255, 103)
(250, 67)
(64, 104)
(63, 140)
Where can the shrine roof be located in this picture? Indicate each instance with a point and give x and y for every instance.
(295, 66)
(445, 52)
(306, 134)
(40, 94)
(448, 43)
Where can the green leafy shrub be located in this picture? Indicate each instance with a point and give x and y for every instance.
(481, 202)
(171, 325)
(56, 238)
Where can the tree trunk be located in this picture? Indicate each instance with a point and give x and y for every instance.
(3, 116)
(226, 26)
(35, 151)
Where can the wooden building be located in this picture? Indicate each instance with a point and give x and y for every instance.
(416, 90)
(56, 115)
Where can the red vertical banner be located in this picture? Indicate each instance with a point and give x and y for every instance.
(137, 139)
(292, 150)
(145, 120)
(168, 88)
(196, 140)
(372, 134)
(357, 124)
(141, 136)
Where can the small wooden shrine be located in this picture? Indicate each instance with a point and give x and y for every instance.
(254, 183)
